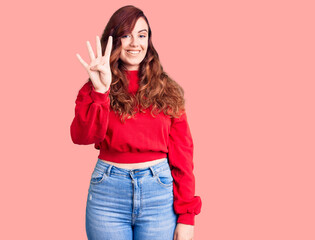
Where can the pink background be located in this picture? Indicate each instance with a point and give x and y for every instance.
(247, 68)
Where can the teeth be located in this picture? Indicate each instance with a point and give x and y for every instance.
(133, 52)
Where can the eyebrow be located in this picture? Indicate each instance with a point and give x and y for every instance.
(143, 30)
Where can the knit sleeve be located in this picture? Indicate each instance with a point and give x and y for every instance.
(180, 154)
(91, 116)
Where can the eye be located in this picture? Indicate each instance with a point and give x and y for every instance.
(141, 36)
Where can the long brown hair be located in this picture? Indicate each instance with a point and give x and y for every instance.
(157, 91)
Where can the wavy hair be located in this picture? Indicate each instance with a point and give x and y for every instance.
(157, 91)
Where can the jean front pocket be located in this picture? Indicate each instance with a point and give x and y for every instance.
(98, 176)
(165, 178)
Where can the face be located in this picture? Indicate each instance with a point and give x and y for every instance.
(135, 45)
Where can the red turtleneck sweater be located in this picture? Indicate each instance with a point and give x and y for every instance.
(139, 139)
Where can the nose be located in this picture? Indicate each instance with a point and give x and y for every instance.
(134, 42)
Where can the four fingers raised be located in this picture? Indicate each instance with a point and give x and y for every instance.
(107, 54)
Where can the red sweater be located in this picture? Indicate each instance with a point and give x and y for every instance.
(139, 139)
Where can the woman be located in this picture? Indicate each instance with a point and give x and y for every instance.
(142, 186)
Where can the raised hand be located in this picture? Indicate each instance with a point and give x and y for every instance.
(99, 67)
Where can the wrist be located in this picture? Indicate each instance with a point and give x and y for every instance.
(101, 90)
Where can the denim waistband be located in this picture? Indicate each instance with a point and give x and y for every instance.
(154, 169)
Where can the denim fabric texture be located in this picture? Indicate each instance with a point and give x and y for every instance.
(130, 204)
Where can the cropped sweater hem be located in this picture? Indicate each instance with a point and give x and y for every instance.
(130, 157)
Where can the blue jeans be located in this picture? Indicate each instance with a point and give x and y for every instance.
(130, 204)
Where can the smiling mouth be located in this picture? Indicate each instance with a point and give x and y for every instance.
(133, 53)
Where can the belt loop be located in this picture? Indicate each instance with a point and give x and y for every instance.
(152, 170)
(109, 169)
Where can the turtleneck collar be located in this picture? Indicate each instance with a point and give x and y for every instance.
(132, 76)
